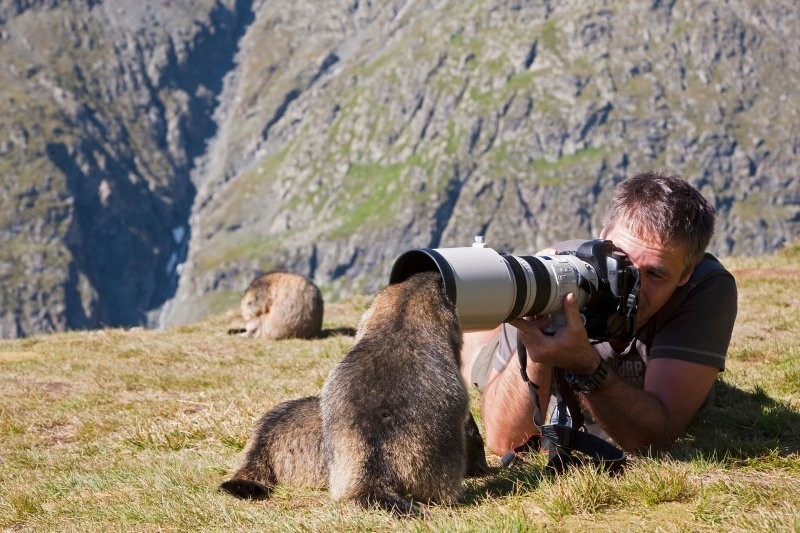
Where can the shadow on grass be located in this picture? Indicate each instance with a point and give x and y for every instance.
(324, 334)
(521, 478)
(741, 425)
(335, 332)
(738, 426)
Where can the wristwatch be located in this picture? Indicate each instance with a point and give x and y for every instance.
(584, 383)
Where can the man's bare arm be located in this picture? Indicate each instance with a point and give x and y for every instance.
(634, 418)
(507, 407)
(656, 416)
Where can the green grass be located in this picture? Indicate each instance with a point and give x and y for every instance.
(554, 172)
(372, 191)
(134, 430)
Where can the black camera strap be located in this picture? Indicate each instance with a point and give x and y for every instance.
(559, 439)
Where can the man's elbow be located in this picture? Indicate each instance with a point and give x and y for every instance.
(655, 442)
(497, 441)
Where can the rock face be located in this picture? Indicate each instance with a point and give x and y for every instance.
(104, 106)
(325, 138)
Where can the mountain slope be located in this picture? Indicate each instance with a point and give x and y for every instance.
(381, 128)
(104, 105)
(157, 155)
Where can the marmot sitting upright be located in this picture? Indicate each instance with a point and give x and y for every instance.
(282, 305)
(394, 410)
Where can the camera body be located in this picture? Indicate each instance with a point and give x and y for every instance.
(488, 287)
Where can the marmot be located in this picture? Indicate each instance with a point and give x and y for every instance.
(285, 447)
(424, 408)
(282, 305)
(394, 410)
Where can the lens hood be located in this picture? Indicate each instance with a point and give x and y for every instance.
(477, 280)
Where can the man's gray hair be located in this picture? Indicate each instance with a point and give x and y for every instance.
(657, 203)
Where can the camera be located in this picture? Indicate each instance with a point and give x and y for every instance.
(489, 287)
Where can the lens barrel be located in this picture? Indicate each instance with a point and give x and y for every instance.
(488, 288)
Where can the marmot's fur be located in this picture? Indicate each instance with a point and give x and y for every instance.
(282, 305)
(396, 418)
(285, 447)
(394, 410)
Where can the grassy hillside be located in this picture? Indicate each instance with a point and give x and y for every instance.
(134, 429)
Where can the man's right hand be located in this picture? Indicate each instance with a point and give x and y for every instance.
(567, 348)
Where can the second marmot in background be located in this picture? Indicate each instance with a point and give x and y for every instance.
(282, 305)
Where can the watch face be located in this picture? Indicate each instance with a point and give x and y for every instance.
(581, 383)
(584, 384)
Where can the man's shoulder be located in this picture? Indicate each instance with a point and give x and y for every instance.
(707, 269)
(697, 321)
(709, 285)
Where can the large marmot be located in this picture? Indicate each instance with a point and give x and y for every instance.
(393, 421)
(394, 410)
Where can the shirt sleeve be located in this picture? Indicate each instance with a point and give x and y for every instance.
(700, 329)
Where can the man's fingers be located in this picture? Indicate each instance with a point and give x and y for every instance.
(530, 329)
(571, 312)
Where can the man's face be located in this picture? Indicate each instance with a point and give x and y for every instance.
(662, 268)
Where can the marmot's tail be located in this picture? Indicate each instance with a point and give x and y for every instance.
(247, 489)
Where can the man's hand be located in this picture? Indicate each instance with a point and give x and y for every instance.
(568, 348)
(635, 418)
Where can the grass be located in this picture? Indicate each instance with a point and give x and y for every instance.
(134, 430)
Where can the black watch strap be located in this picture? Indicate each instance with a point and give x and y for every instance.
(588, 383)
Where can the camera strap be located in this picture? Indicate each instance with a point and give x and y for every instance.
(560, 440)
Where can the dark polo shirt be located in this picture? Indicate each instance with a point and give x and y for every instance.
(694, 325)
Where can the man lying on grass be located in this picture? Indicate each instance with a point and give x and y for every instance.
(687, 307)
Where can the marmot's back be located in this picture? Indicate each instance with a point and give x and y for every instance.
(282, 305)
(394, 409)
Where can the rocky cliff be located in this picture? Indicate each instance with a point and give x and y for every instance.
(104, 107)
(326, 138)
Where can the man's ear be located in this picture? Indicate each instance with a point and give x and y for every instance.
(687, 273)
